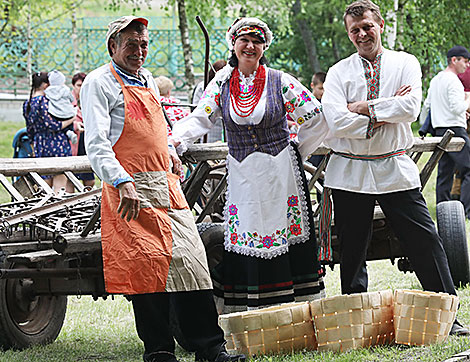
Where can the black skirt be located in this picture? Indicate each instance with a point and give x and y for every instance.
(246, 282)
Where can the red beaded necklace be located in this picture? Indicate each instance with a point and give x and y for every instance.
(244, 103)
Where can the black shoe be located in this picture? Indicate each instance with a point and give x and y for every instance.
(224, 356)
(160, 357)
(458, 329)
(221, 356)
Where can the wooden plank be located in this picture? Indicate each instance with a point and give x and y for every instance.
(33, 256)
(426, 172)
(9, 187)
(15, 248)
(41, 183)
(200, 152)
(218, 151)
(44, 165)
(74, 180)
(74, 243)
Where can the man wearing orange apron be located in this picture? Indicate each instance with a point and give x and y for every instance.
(151, 247)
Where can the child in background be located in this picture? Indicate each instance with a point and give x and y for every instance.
(60, 102)
(165, 85)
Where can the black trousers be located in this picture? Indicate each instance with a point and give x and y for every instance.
(192, 314)
(408, 215)
(448, 164)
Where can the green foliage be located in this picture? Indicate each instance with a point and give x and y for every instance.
(426, 28)
(135, 5)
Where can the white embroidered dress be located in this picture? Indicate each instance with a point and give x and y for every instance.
(266, 209)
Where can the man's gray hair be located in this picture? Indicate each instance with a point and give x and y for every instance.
(134, 25)
(358, 8)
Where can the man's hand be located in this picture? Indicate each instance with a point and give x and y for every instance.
(378, 124)
(177, 165)
(403, 91)
(360, 107)
(129, 206)
(79, 127)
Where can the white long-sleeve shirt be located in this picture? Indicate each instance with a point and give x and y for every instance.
(446, 98)
(102, 104)
(346, 83)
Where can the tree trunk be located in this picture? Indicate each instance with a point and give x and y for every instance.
(29, 66)
(307, 37)
(187, 51)
(76, 54)
(391, 26)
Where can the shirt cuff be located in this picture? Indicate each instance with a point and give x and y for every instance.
(372, 120)
(123, 179)
(182, 147)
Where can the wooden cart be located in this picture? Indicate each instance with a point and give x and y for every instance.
(50, 245)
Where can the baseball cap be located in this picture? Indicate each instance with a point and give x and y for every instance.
(458, 51)
(117, 25)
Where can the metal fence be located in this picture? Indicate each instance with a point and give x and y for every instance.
(52, 48)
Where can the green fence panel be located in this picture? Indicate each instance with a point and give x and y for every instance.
(52, 48)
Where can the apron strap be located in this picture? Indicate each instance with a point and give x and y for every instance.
(118, 78)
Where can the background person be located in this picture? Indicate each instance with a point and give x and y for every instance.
(216, 133)
(46, 133)
(165, 86)
(317, 85)
(60, 102)
(449, 106)
(270, 250)
(78, 149)
(151, 248)
(370, 132)
(317, 89)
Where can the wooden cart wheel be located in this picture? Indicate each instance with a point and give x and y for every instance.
(212, 236)
(27, 319)
(451, 227)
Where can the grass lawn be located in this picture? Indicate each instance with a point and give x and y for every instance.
(104, 330)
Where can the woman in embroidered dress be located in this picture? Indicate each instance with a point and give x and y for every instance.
(270, 251)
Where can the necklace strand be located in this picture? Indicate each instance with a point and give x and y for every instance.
(244, 103)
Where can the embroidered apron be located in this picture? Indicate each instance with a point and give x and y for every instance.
(160, 251)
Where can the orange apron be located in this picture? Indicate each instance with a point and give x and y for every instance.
(154, 252)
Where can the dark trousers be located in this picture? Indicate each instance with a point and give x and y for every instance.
(408, 216)
(448, 164)
(193, 314)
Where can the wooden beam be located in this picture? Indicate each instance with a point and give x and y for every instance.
(10, 188)
(41, 183)
(199, 152)
(15, 248)
(74, 180)
(74, 243)
(33, 256)
(44, 165)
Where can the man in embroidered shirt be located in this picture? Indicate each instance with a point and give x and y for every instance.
(449, 106)
(151, 248)
(369, 102)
